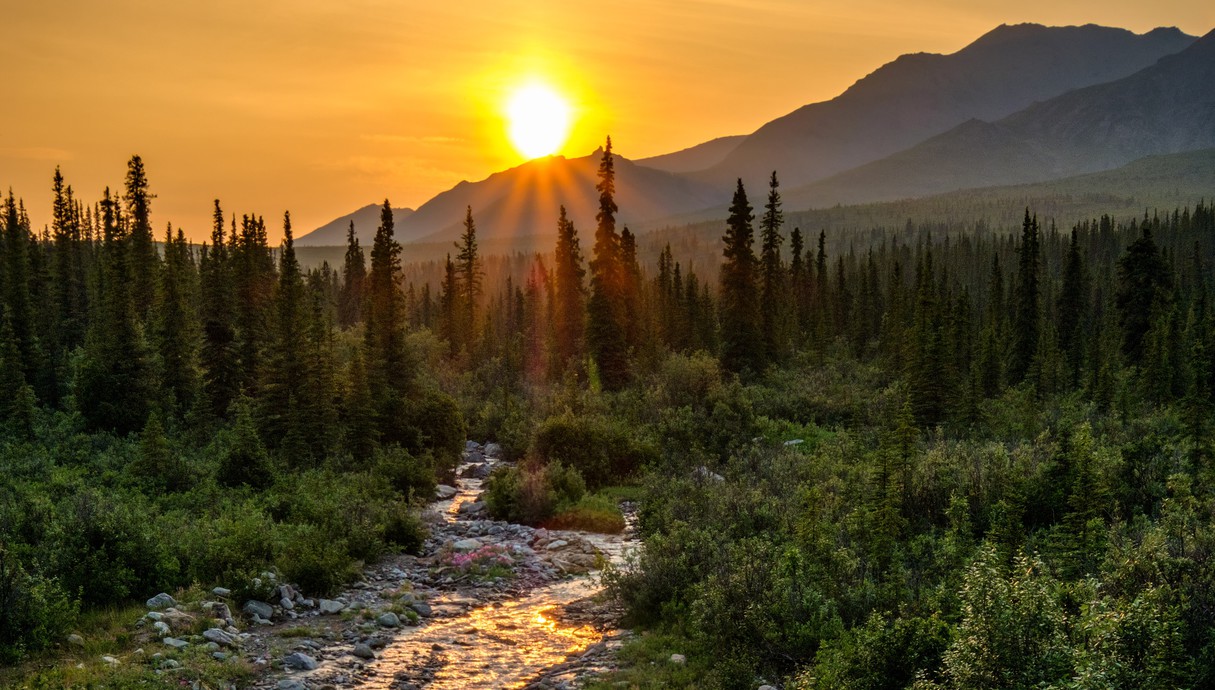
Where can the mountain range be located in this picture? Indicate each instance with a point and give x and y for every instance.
(1021, 104)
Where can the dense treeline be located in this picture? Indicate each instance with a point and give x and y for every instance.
(921, 457)
(175, 413)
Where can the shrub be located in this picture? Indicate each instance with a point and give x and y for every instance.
(108, 548)
(403, 528)
(410, 476)
(441, 428)
(603, 450)
(34, 611)
(243, 459)
(531, 494)
(314, 561)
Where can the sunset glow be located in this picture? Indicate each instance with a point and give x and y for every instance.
(539, 120)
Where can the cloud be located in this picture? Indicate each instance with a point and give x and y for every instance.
(36, 153)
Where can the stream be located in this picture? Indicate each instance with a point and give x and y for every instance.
(519, 635)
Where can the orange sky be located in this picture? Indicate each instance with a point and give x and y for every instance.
(322, 107)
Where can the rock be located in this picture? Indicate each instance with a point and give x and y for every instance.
(493, 450)
(790, 442)
(703, 474)
(161, 601)
(221, 611)
(444, 492)
(466, 545)
(300, 662)
(540, 534)
(422, 609)
(219, 637)
(75, 640)
(110, 660)
(161, 627)
(557, 544)
(388, 619)
(363, 651)
(329, 607)
(472, 508)
(769, 687)
(178, 620)
(474, 455)
(286, 603)
(471, 445)
(290, 684)
(175, 643)
(679, 659)
(222, 592)
(219, 656)
(258, 608)
(170, 664)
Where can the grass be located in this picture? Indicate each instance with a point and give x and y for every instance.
(297, 631)
(645, 662)
(111, 631)
(595, 513)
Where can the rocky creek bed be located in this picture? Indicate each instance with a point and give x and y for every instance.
(487, 604)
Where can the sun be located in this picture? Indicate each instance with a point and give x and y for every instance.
(539, 120)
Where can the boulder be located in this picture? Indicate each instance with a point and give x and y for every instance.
(678, 659)
(290, 684)
(258, 608)
(219, 637)
(557, 544)
(422, 609)
(110, 660)
(472, 508)
(175, 643)
(178, 620)
(388, 619)
(75, 640)
(493, 450)
(471, 445)
(444, 492)
(161, 627)
(300, 662)
(363, 651)
(466, 545)
(161, 601)
(329, 607)
(222, 592)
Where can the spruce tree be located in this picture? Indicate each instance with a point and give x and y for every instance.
(773, 291)
(354, 272)
(1143, 293)
(16, 395)
(605, 328)
(1072, 306)
(15, 298)
(218, 353)
(281, 390)
(174, 329)
(1026, 309)
(389, 365)
(569, 294)
(469, 274)
(741, 345)
(113, 383)
(142, 262)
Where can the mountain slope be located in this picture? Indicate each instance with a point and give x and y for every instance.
(1166, 108)
(918, 96)
(696, 157)
(525, 200)
(366, 220)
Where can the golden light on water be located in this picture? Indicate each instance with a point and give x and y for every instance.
(538, 120)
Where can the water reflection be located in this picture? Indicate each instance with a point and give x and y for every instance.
(495, 646)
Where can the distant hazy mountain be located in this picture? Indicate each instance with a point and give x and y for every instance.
(366, 221)
(922, 95)
(694, 158)
(525, 200)
(1166, 108)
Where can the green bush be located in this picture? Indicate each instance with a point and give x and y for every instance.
(441, 428)
(411, 476)
(109, 548)
(35, 613)
(243, 460)
(531, 494)
(603, 450)
(315, 561)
